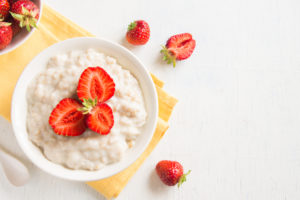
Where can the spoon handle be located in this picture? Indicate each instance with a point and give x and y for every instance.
(15, 171)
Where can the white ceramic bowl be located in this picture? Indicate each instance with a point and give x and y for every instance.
(19, 107)
(21, 37)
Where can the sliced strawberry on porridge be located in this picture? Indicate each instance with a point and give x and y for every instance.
(95, 82)
(66, 119)
(100, 116)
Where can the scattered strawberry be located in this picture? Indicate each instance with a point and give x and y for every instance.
(99, 118)
(138, 32)
(66, 119)
(26, 13)
(171, 172)
(5, 34)
(94, 83)
(4, 8)
(178, 47)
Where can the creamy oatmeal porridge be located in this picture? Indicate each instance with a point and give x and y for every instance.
(89, 151)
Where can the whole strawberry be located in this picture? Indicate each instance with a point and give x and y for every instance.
(178, 47)
(138, 32)
(14, 25)
(26, 13)
(171, 172)
(11, 1)
(5, 34)
(4, 8)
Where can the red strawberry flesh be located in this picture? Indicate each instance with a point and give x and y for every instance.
(181, 45)
(65, 118)
(100, 119)
(95, 82)
(178, 47)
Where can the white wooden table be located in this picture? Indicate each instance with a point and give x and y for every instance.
(236, 125)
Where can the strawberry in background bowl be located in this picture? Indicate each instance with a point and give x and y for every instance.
(19, 20)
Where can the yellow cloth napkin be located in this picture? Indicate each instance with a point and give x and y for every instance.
(54, 27)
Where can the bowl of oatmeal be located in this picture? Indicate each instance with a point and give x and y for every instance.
(52, 76)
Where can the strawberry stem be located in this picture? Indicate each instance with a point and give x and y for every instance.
(131, 26)
(27, 18)
(4, 24)
(168, 56)
(88, 105)
(17, 16)
(183, 178)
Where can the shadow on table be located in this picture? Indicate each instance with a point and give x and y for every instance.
(155, 183)
(125, 44)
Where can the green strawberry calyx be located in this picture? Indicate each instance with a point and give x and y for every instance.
(132, 26)
(183, 178)
(169, 57)
(88, 105)
(26, 19)
(4, 23)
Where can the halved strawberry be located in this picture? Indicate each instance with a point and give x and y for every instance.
(100, 118)
(178, 47)
(94, 83)
(66, 119)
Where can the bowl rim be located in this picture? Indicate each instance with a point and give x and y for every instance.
(25, 38)
(29, 152)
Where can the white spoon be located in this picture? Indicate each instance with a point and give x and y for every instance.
(15, 171)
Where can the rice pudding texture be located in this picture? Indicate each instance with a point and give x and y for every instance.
(89, 151)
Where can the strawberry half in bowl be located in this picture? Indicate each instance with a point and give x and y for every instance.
(13, 36)
(70, 128)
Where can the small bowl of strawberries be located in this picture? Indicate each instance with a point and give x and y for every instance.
(18, 20)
